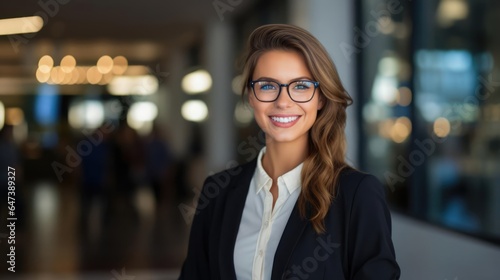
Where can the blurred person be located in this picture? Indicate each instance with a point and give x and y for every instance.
(186, 170)
(158, 161)
(95, 172)
(116, 241)
(297, 211)
(128, 170)
(94, 180)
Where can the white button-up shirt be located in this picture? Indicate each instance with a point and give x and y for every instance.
(261, 226)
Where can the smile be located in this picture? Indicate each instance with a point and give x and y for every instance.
(284, 119)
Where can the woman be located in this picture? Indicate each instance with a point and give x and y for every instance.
(298, 211)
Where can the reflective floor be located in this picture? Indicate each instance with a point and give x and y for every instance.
(59, 235)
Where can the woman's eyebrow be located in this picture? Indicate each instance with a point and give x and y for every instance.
(279, 82)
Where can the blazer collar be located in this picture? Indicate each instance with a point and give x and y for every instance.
(233, 210)
(293, 230)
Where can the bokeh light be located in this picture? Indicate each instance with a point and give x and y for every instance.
(141, 116)
(42, 77)
(120, 65)
(243, 113)
(441, 127)
(14, 116)
(93, 75)
(105, 64)
(45, 64)
(194, 110)
(197, 82)
(86, 114)
(68, 63)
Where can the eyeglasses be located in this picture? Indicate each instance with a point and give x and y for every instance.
(301, 91)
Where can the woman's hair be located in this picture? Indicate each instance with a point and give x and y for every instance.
(327, 143)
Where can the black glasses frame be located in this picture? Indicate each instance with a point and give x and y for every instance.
(252, 84)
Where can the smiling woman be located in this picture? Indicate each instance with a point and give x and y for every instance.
(275, 111)
(297, 211)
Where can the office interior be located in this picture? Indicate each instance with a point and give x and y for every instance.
(112, 114)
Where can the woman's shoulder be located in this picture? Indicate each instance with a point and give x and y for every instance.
(361, 197)
(353, 183)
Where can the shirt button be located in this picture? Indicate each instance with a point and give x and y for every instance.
(261, 253)
(266, 224)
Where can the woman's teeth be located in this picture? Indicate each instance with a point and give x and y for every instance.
(284, 119)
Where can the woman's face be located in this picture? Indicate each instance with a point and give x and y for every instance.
(284, 120)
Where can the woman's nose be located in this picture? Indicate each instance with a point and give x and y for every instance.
(284, 100)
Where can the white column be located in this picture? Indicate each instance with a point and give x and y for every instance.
(220, 130)
(332, 22)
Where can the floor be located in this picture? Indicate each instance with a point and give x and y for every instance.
(119, 237)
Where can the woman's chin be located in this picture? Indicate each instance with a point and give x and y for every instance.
(282, 138)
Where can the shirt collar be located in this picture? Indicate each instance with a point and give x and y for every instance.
(292, 178)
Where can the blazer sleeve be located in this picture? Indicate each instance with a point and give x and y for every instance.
(196, 265)
(371, 251)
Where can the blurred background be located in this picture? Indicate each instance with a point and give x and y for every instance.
(112, 113)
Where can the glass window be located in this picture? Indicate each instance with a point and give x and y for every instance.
(431, 109)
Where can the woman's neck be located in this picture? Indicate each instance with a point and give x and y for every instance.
(283, 157)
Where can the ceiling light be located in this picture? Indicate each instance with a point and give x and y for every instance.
(20, 25)
(140, 112)
(93, 75)
(120, 65)
(194, 110)
(105, 64)
(197, 82)
(45, 64)
(86, 114)
(140, 85)
(56, 75)
(41, 76)
(141, 116)
(68, 63)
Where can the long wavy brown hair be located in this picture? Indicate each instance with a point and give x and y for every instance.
(327, 143)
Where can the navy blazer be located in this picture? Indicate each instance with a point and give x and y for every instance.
(357, 243)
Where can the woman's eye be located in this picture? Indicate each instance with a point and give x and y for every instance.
(267, 87)
(302, 86)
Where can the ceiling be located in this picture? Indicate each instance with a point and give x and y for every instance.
(144, 31)
(122, 20)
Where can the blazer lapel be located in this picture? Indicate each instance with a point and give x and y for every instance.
(233, 210)
(293, 230)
